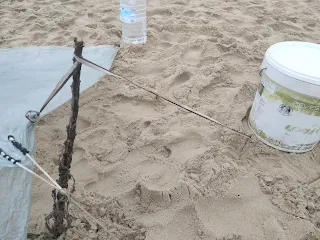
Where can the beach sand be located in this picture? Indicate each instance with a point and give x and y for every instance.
(150, 170)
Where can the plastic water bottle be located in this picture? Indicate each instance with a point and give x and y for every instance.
(134, 21)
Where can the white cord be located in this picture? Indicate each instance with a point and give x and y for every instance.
(4, 155)
(34, 174)
(44, 172)
(59, 188)
(99, 68)
(56, 186)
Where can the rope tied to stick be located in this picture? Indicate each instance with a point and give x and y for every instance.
(67, 195)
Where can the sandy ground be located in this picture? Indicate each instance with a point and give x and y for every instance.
(149, 170)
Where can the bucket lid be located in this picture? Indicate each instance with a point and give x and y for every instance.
(300, 60)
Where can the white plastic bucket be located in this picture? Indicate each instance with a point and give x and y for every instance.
(286, 110)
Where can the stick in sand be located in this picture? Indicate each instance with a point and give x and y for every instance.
(60, 206)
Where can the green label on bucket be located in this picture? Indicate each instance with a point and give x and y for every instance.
(285, 119)
(299, 102)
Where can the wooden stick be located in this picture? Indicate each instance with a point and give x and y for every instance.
(60, 207)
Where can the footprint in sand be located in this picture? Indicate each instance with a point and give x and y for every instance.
(82, 33)
(189, 13)
(161, 12)
(280, 26)
(216, 95)
(254, 10)
(70, 3)
(245, 198)
(159, 184)
(180, 3)
(110, 20)
(157, 176)
(135, 109)
(106, 184)
(208, 60)
(178, 80)
(82, 124)
(164, 45)
(165, 151)
(118, 179)
(105, 145)
(189, 146)
(155, 179)
(88, 112)
(181, 78)
(81, 170)
(192, 55)
(184, 224)
(169, 38)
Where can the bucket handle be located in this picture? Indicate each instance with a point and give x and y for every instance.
(261, 71)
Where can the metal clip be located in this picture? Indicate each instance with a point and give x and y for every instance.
(261, 71)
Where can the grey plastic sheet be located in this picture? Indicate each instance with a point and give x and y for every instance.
(27, 77)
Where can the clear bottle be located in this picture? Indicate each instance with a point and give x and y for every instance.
(134, 21)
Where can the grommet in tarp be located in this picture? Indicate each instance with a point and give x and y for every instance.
(33, 116)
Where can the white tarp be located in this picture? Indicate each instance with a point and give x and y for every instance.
(27, 77)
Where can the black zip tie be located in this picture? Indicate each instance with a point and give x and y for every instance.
(10, 159)
(17, 145)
